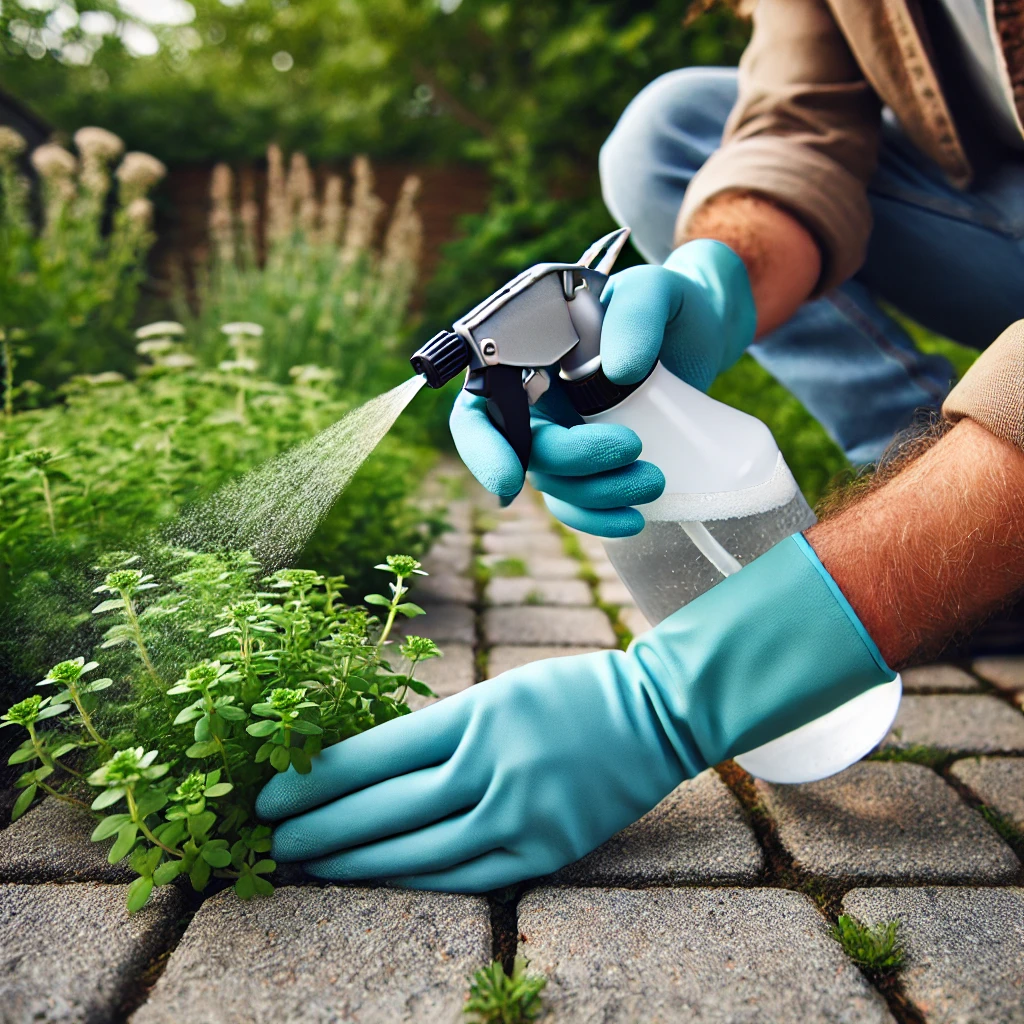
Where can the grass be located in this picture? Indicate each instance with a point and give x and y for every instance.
(508, 567)
(1003, 825)
(498, 998)
(914, 753)
(874, 947)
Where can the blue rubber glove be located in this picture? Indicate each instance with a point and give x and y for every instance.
(696, 313)
(525, 773)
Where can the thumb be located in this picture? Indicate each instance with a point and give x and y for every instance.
(487, 455)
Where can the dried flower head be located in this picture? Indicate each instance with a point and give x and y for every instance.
(11, 144)
(363, 214)
(278, 215)
(333, 213)
(138, 173)
(53, 161)
(98, 144)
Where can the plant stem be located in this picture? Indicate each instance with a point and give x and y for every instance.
(63, 796)
(86, 720)
(392, 611)
(133, 810)
(48, 499)
(140, 644)
(211, 711)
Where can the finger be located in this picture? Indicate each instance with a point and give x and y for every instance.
(633, 485)
(639, 303)
(615, 522)
(584, 449)
(487, 455)
(436, 848)
(395, 748)
(493, 870)
(397, 805)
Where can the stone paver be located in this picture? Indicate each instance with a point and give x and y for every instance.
(518, 544)
(317, 956)
(447, 675)
(603, 569)
(634, 620)
(976, 724)
(51, 844)
(443, 623)
(502, 659)
(541, 567)
(886, 823)
(443, 588)
(998, 782)
(717, 956)
(964, 949)
(1007, 673)
(696, 836)
(575, 627)
(507, 590)
(453, 555)
(614, 592)
(71, 954)
(929, 678)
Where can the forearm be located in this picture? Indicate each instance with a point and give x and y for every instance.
(781, 256)
(935, 548)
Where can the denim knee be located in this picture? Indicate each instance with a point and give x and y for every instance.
(661, 140)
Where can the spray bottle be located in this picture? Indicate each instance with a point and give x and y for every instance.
(729, 495)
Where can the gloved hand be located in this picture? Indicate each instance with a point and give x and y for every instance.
(522, 774)
(696, 313)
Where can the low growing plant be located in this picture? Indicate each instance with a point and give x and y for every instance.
(498, 998)
(874, 947)
(217, 681)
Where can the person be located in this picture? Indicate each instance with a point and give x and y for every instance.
(771, 233)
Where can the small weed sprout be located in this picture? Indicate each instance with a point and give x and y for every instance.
(284, 670)
(497, 998)
(873, 947)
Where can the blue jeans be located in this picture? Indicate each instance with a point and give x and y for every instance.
(953, 261)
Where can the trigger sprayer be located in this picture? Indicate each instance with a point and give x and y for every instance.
(729, 495)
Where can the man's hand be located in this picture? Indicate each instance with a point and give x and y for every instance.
(696, 314)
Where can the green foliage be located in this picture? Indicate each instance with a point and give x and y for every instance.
(498, 998)
(69, 289)
(913, 753)
(268, 672)
(1004, 825)
(876, 947)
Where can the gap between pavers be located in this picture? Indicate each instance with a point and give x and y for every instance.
(570, 627)
(882, 823)
(964, 949)
(522, 590)
(997, 782)
(321, 955)
(72, 954)
(718, 956)
(929, 678)
(697, 835)
(981, 724)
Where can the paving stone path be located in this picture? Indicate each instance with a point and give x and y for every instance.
(718, 906)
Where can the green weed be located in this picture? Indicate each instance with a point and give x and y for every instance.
(874, 947)
(497, 998)
(508, 567)
(915, 753)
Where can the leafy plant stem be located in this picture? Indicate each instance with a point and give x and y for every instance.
(87, 721)
(211, 710)
(48, 499)
(133, 810)
(140, 643)
(396, 599)
(62, 796)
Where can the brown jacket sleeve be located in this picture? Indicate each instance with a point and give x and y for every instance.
(804, 132)
(992, 391)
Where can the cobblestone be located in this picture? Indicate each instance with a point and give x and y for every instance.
(51, 844)
(614, 592)
(1006, 673)
(532, 543)
(447, 675)
(521, 590)
(998, 782)
(884, 823)
(575, 627)
(317, 956)
(970, 724)
(541, 567)
(71, 954)
(718, 956)
(928, 678)
(502, 659)
(443, 588)
(964, 949)
(696, 836)
(634, 620)
(443, 623)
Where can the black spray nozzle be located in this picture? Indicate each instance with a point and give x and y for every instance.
(441, 358)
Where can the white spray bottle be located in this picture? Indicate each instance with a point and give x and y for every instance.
(729, 495)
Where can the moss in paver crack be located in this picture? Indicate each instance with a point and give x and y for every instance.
(1003, 825)
(498, 998)
(916, 753)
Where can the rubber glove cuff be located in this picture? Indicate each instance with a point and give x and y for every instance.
(769, 649)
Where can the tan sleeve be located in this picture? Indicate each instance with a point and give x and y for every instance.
(992, 391)
(804, 132)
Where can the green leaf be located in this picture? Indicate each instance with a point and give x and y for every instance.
(264, 728)
(108, 826)
(202, 730)
(189, 714)
(151, 802)
(245, 887)
(64, 748)
(264, 752)
(98, 684)
(138, 893)
(204, 749)
(408, 608)
(421, 688)
(304, 728)
(223, 631)
(300, 760)
(22, 755)
(53, 709)
(199, 875)
(108, 797)
(109, 606)
(216, 858)
(279, 758)
(378, 599)
(263, 867)
(200, 824)
(24, 801)
(126, 836)
(168, 871)
(220, 789)
(231, 713)
(263, 887)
